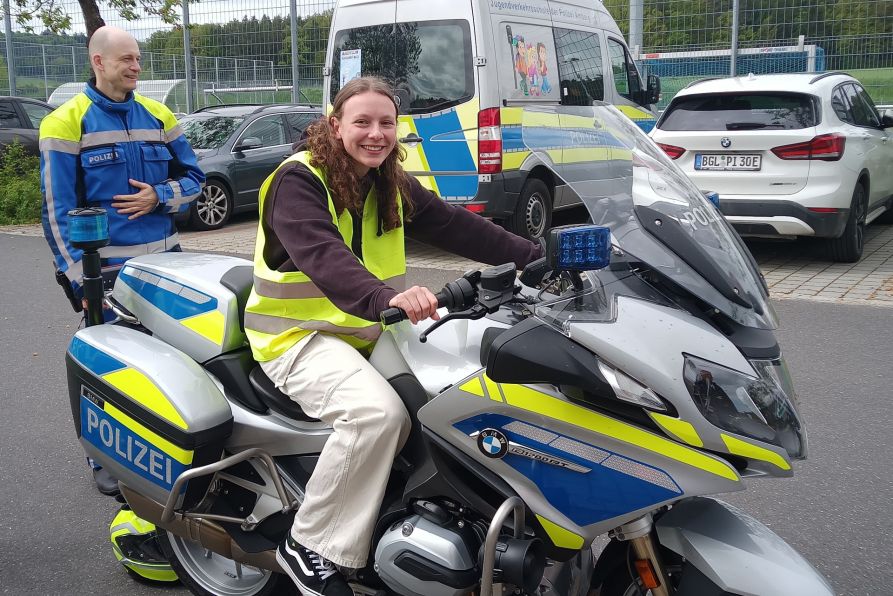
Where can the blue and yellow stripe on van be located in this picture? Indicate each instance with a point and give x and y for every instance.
(127, 380)
(193, 309)
(641, 117)
(565, 138)
(449, 145)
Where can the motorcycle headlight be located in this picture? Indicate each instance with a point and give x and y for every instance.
(762, 407)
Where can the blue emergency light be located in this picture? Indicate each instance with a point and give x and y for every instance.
(88, 228)
(579, 248)
(712, 196)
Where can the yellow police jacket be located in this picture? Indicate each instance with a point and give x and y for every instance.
(284, 307)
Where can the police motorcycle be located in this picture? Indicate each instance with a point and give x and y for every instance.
(629, 376)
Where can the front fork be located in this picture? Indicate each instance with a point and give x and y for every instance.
(648, 563)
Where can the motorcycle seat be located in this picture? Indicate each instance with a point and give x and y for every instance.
(275, 399)
(239, 281)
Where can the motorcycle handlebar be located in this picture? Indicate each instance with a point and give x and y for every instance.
(393, 315)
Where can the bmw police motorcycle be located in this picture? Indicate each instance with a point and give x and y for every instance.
(620, 383)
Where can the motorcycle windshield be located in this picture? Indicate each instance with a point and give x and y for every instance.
(655, 213)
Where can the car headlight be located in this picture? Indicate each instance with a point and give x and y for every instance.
(762, 407)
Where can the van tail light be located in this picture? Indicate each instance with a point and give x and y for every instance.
(824, 147)
(672, 151)
(489, 141)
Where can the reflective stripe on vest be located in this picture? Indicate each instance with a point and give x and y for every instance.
(285, 307)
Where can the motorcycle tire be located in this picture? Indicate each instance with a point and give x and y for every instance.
(622, 579)
(212, 575)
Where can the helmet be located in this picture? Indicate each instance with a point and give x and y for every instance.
(135, 543)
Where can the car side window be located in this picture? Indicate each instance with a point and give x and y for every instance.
(9, 117)
(858, 108)
(579, 55)
(297, 123)
(626, 76)
(269, 129)
(841, 106)
(871, 111)
(35, 112)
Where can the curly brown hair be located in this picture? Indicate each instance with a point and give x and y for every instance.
(328, 153)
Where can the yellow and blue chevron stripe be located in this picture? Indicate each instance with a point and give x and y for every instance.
(193, 309)
(129, 381)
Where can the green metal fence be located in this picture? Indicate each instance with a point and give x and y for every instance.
(246, 51)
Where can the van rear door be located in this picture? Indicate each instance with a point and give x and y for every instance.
(425, 49)
(438, 90)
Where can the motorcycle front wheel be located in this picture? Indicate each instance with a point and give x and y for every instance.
(206, 573)
(619, 578)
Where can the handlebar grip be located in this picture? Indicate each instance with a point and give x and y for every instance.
(392, 316)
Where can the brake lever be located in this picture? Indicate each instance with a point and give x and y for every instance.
(475, 312)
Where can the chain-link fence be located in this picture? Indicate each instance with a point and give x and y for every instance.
(685, 40)
(239, 53)
(246, 51)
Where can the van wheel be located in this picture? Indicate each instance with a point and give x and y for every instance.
(533, 213)
(849, 246)
(209, 574)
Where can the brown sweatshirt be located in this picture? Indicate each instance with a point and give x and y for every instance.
(300, 236)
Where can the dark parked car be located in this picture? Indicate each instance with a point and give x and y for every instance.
(238, 146)
(20, 119)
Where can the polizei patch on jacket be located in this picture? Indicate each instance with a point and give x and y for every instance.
(102, 157)
(493, 443)
(129, 449)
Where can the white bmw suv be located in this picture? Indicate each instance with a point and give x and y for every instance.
(789, 155)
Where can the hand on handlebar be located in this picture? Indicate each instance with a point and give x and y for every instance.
(418, 303)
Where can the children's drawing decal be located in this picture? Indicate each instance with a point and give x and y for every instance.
(532, 52)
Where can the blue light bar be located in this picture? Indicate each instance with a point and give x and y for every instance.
(579, 248)
(88, 227)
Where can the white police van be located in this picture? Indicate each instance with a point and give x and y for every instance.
(463, 71)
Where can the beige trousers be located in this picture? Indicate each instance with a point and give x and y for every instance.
(332, 381)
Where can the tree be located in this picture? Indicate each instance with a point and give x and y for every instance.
(54, 18)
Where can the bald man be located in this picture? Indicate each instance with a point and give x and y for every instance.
(111, 147)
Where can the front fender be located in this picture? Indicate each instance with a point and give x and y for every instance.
(736, 552)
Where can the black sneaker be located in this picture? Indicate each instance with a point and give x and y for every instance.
(314, 575)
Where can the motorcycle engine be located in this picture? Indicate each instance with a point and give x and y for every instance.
(428, 556)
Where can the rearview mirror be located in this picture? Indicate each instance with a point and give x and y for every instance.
(886, 121)
(249, 143)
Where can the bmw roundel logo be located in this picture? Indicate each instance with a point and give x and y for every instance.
(493, 443)
(726, 142)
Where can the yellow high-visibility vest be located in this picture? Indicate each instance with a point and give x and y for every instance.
(285, 307)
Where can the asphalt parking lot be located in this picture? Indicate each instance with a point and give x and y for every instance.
(793, 269)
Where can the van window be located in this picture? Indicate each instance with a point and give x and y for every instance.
(580, 67)
(626, 77)
(429, 63)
